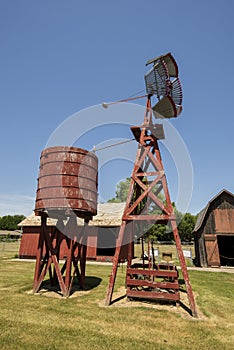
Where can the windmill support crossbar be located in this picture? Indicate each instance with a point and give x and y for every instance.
(147, 187)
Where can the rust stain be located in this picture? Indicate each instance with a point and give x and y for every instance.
(67, 179)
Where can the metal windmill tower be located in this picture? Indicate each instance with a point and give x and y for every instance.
(148, 201)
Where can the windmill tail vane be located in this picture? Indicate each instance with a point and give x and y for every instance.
(107, 104)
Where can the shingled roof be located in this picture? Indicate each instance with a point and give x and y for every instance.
(108, 214)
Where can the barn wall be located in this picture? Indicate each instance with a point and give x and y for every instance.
(212, 250)
(221, 213)
(30, 238)
(106, 251)
(106, 242)
(224, 201)
(200, 250)
(209, 226)
(224, 221)
(28, 245)
(219, 219)
(29, 242)
(92, 243)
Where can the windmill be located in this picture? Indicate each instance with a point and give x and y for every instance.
(148, 201)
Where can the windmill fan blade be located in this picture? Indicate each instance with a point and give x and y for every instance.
(156, 80)
(176, 91)
(165, 108)
(178, 110)
(171, 65)
(170, 62)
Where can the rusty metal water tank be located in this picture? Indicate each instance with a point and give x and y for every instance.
(67, 181)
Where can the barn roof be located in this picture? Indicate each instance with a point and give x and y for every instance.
(10, 233)
(202, 213)
(108, 214)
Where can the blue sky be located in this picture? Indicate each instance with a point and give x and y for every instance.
(59, 58)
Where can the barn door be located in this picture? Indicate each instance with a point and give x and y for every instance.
(212, 250)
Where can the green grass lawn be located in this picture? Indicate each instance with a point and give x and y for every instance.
(37, 321)
(9, 249)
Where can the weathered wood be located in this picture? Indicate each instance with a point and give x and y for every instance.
(153, 295)
(214, 221)
(145, 283)
(155, 273)
(62, 275)
(141, 195)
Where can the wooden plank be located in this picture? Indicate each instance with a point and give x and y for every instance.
(159, 219)
(153, 295)
(155, 273)
(212, 250)
(165, 285)
(224, 221)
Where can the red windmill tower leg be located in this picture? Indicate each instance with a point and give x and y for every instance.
(148, 183)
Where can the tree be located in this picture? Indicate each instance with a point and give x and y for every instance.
(186, 227)
(9, 222)
(121, 191)
(158, 232)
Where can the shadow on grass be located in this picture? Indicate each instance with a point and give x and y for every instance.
(116, 300)
(91, 282)
(185, 293)
(155, 302)
(186, 308)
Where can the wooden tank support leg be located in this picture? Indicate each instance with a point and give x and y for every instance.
(74, 263)
(39, 261)
(76, 260)
(68, 266)
(44, 265)
(83, 265)
(49, 244)
(80, 243)
(83, 255)
(56, 239)
(53, 259)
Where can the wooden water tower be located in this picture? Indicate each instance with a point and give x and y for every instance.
(67, 189)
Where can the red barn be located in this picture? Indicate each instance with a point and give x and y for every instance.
(214, 232)
(101, 236)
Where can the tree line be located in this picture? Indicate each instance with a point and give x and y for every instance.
(185, 222)
(10, 222)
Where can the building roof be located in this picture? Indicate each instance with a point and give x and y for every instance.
(10, 233)
(108, 214)
(203, 212)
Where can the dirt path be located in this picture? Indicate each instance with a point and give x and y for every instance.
(229, 269)
(212, 269)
